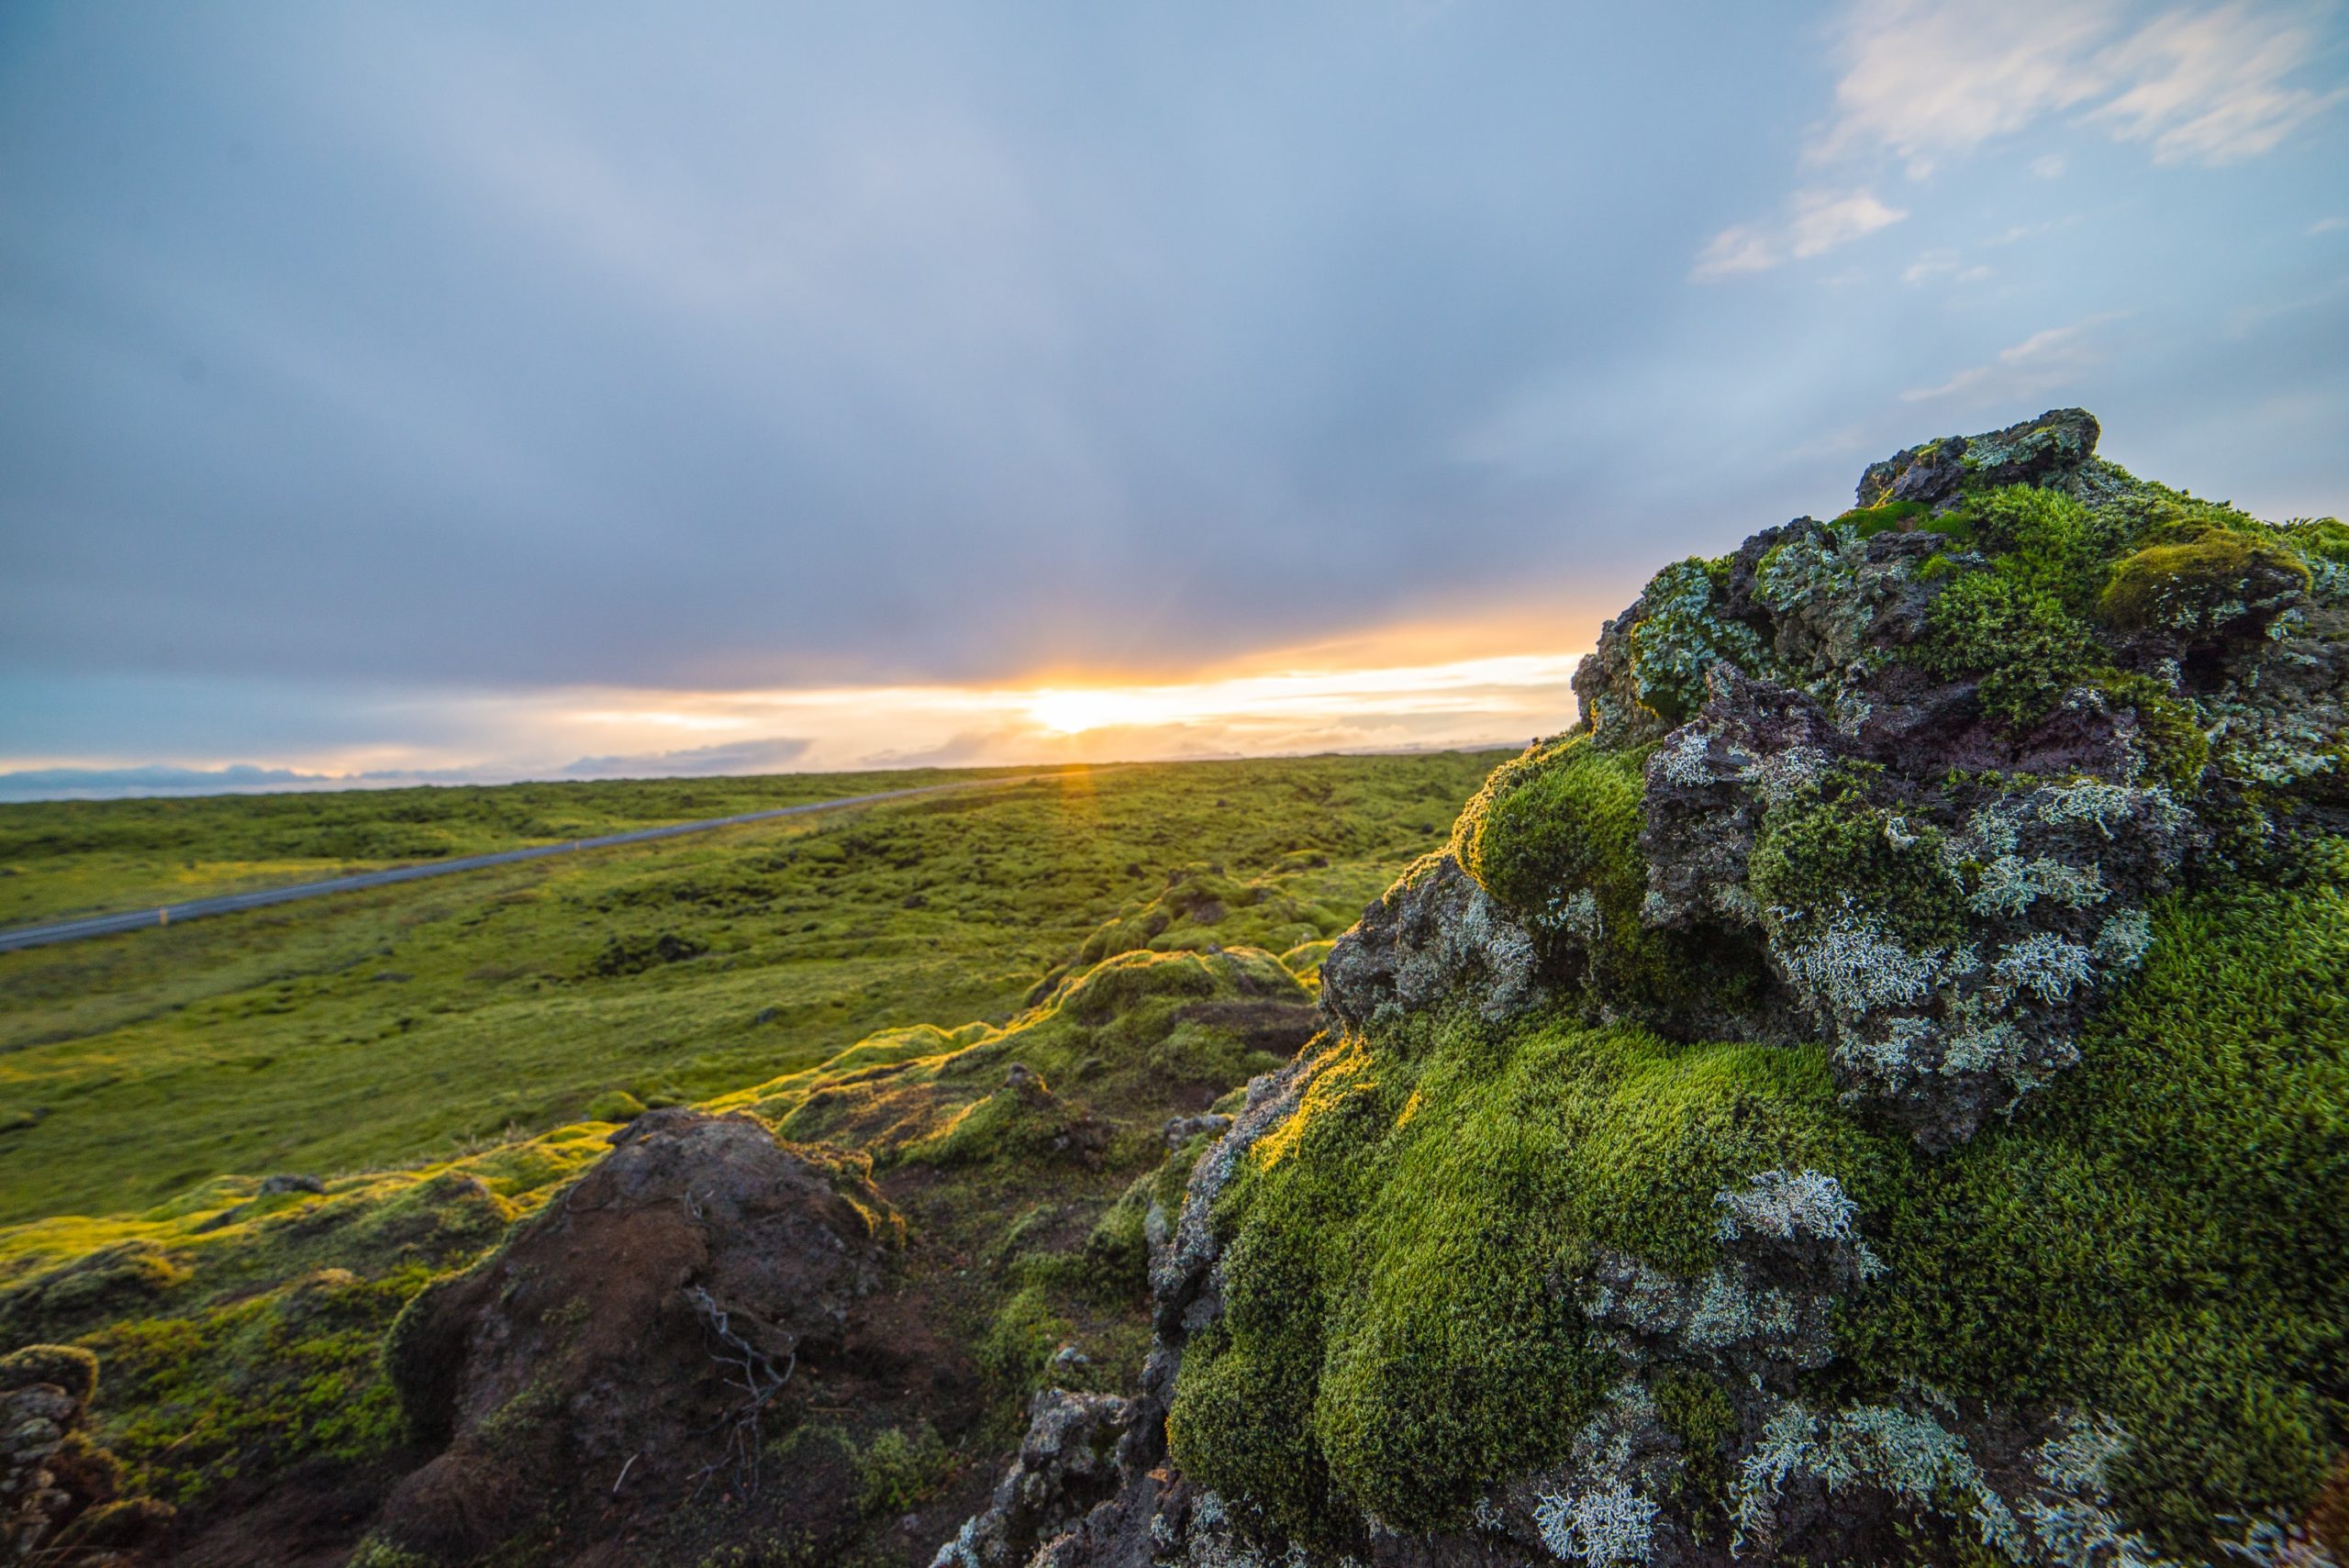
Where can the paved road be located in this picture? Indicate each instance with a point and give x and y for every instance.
(17, 937)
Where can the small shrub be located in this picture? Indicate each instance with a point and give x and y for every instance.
(897, 1471)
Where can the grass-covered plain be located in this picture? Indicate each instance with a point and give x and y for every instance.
(387, 1027)
(67, 858)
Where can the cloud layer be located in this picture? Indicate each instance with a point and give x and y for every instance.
(402, 356)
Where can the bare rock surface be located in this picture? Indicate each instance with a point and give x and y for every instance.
(628, 1340)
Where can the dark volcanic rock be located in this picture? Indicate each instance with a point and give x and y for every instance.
(2048, 451)
(1067, 1463)
(57, 1502)
(1431, 933)
(625, 1341)
(1797, 797)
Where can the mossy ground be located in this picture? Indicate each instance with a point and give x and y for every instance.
(382, 1026)
(62, 859)
(240, 1330)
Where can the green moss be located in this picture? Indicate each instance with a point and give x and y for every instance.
(2320, 539)
(897, 1471)
(614, 1105)
(1868, 520)
(1827, 848)
(1396, 1329)
(2026, 648)
(123, 1276)
(1019, 1123)
(2199, 585)
(2046, 540)
(1563, 819)
(252, 1387)
(2169, 735)
(1200, 908)
(2016, 617)
(1018, 1343)
(1696, 1409)
(2158, 1235)
(1908, 516)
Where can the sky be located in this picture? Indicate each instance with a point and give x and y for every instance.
(482, 391)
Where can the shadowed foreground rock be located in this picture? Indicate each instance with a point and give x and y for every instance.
(626, 1342)
(57, 1506)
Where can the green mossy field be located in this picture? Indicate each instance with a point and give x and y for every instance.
(416, 1022)
(67, 858)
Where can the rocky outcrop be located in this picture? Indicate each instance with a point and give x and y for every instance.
(1434, 932)
(58, 1501)
(628, 1339)
(2053, 449)
(1067, 1463)
(1909, 785)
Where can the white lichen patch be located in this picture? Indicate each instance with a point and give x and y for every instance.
(1890, 1053)
(2072, 1515)
(1787, 1205)
(1907, 1454)
(2045, 966)
(1597, 1529)
(1982, 1045)
(2010, 885)
(2123, 940)
(1855, 967)
(1725, 1313)
(1684, 759)
(2104, 805)
(2280, 1543)
(1577, 913)
(1782, 776)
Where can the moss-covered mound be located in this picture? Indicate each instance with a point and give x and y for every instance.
(1878, 1093)
(243, 1325)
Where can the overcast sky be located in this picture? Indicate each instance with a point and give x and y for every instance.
(391, 385)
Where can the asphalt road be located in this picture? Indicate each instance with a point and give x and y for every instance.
(228, 903)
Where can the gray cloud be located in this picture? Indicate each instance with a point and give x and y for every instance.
(720, 345)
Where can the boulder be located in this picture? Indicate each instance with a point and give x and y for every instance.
(627, 1340)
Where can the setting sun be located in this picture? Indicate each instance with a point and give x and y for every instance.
(1073, 712)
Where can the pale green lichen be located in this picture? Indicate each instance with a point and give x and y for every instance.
(1680, 637)
(1597, 1529)
(2010, 884)
(1907, 1454)
(1786, 1204)
(1855, 967)
(2045, 966)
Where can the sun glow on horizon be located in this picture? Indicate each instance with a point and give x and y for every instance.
(1074, 712)
(604, 732)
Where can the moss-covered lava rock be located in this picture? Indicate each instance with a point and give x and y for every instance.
(1879, 1091)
